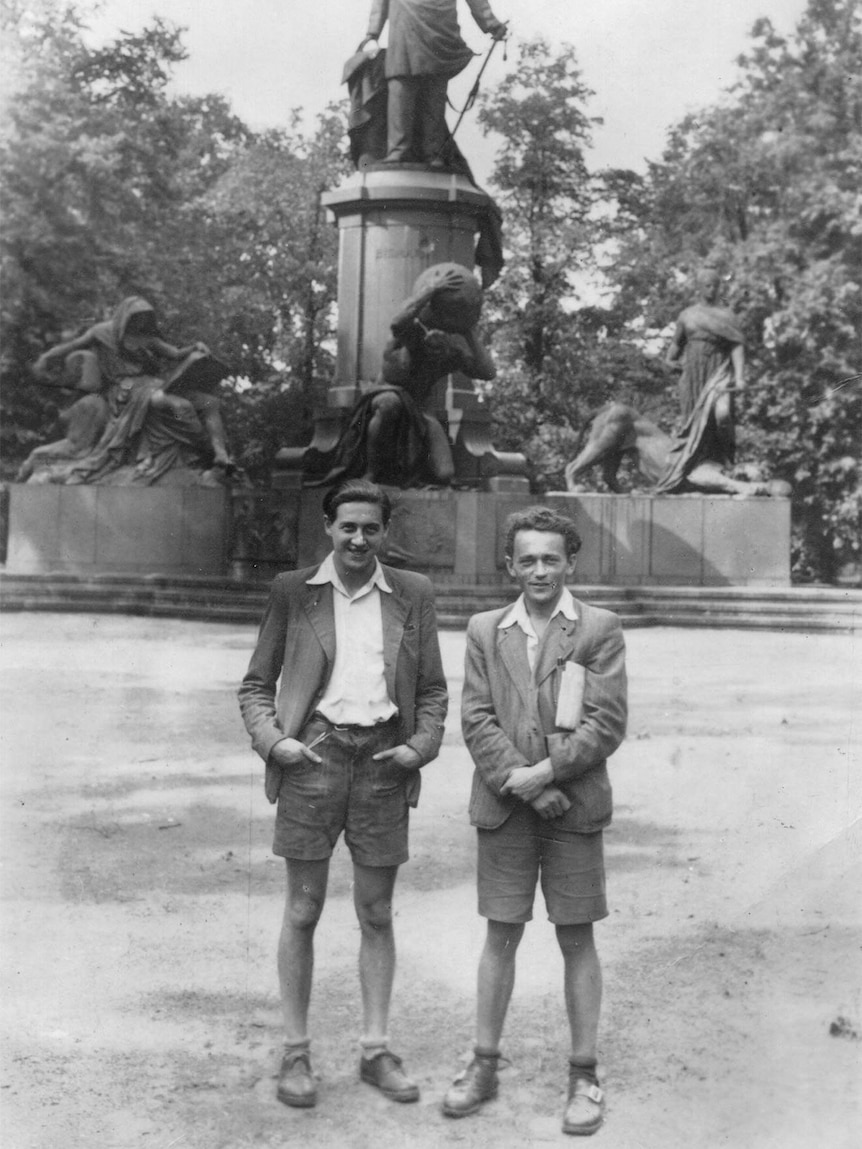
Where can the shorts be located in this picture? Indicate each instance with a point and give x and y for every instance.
(572, 870)
(346, 791)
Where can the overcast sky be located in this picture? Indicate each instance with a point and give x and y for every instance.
(649, 61)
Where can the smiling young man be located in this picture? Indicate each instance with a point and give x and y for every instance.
(543, 707)
(359, 710)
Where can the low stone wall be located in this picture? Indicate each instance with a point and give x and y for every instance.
(117, 530)
(454, 536)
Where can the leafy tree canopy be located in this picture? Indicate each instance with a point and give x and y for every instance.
(112, 186)
(765, 184)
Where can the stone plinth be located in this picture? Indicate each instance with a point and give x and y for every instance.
(680, 540)
(117, 530)
(689, 540)
(393, 224)
(455, 537)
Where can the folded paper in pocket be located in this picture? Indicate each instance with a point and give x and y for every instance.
(571, 697)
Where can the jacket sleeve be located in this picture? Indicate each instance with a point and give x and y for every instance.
(603, 725)
(377, 18)
(494, 754)
(483, 15)
(432, 696)
(258, 690)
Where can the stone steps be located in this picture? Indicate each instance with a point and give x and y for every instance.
(216, 599)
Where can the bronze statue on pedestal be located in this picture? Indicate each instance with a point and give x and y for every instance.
(390, 437)
(708, 347)
(425, 51)
(149, 407)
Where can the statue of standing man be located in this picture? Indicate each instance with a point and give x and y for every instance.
(425, 51)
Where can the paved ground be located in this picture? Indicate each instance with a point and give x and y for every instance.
(141, 907)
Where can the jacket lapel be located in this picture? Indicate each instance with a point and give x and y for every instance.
(394, 609)
(557, 646)
(319, 611)
(512, 645)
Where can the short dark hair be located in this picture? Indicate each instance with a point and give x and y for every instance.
(542, 519)
(357, 491)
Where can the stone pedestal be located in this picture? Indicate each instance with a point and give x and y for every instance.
(457, 537)
(393, 223)
(117, 530)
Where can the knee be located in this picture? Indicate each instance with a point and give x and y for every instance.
(206, 404)
(375, 916)
(386, 405)
(503, 938)
(303, 913)
(575, 941)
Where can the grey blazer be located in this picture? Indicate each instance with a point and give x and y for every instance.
(297, 644)
(507, 713)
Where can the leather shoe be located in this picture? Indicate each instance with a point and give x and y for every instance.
(476, 1085)
(385, 1072)
(586, 1108)
(296, 1085)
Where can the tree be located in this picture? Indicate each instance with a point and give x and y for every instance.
(766, 184)
(100, 171)
(559, 350)
(280, 267)
(112, 186)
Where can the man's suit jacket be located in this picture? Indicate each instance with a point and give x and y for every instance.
(297, 643)
(508, 714)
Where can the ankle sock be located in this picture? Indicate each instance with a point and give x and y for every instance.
(370, 1049)
(586, 1069)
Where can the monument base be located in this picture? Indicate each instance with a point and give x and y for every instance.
(646, 540)
(455, 537)
(117, 530)
(393, 224)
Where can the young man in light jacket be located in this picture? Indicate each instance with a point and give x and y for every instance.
(543, 707)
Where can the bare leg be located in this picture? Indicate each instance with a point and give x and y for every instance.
(163, 401)
(710, 478)
(496, 981)
(385, 409)
(306, 892)
(402, 95)
(372, 898)
(583, 988)
(439, 452)
(208, 408)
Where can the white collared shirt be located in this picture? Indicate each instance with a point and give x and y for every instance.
(356, 693)
(517, 614)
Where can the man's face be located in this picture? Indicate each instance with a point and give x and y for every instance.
(357, 534)
(540, 567)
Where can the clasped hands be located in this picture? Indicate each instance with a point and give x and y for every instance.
(535, 785)
(291, 752)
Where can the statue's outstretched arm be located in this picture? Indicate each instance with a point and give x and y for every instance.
(170, 352)
(487, 21)
(60, 351)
